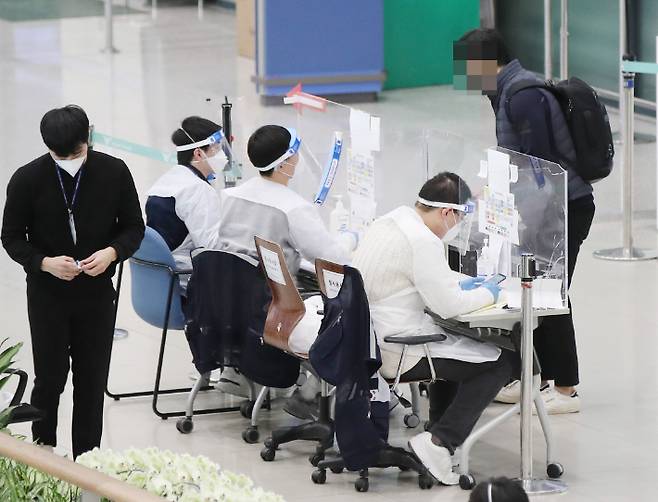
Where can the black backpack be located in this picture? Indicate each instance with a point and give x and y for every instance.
(587, 120)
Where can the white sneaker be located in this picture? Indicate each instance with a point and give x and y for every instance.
(436, 458)
(457, 457)
(233, 382)
(214, 375)
(557, 403)
(510, 394)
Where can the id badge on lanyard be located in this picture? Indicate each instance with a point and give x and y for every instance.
(69, 207)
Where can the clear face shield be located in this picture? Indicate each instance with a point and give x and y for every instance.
(217, 151)
(293, 148)
(458, 233)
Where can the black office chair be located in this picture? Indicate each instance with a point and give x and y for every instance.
(347, 311)
(285, 311)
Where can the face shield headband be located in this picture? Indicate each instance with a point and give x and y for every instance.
(217, 137)
(468, 208)
(293, 148)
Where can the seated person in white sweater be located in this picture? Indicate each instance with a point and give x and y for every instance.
(404, 267)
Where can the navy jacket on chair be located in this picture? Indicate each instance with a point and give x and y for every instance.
(346, 355)
(227, 306)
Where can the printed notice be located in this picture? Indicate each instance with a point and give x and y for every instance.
(272, 265)
(333, 281)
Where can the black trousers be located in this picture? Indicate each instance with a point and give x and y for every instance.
(457, 403)
(555, 338)
(73, 333)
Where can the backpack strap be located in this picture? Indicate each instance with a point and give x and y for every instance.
(522, 85)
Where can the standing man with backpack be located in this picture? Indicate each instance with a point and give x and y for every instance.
(564, 123)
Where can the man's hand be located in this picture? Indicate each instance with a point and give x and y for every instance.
(62, 267)
(98, 262)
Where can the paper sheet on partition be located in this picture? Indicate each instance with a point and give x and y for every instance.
(498, 171)
(547, 293)
(365, 131)
(361, 174)
(333, 281)
(497, 215)
(362, 213)
(272, 265)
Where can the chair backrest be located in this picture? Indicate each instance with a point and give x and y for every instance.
(330, 277)
(153, 283)
(287, 307)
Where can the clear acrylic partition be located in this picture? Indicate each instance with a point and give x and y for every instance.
(520, 206)
(339, 150)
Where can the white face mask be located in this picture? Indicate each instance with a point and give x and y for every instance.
(70, 166)
(217, 161)
(289, 176)
(453, 232)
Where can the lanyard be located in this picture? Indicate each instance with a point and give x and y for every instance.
(69, 207)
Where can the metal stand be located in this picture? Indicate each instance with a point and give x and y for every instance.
(627, 252)
(564, 39)
(530, 386)
(548, 41)
(109, 29)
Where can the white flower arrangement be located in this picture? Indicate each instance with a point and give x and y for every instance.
(176, 477)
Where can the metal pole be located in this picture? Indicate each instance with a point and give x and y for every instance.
(627, 173)
(154, 9)
(548, 44)
(200, 9)
(622, 52)
(527, 354)
(530, 385)
(564, 39)
(109, 29)
(627, 252)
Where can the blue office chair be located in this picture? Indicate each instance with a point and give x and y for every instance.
(156, 298)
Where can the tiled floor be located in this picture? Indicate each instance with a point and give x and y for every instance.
(165, 70)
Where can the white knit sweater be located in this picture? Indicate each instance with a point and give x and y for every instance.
(404, 270)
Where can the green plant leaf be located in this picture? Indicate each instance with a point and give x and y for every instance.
(4, 380)
(5, 416)
(7, 356)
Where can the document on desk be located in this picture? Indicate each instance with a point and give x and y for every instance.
(547, 293)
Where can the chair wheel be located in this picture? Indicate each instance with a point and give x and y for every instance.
(427, 425)
(319, 477)
(466, 482)
(269, 444)
(250, 435)
(267, 454)
(316, 459)
(185, 425)
(361, 485)
(425, 482)
(337, 470)
(246, 408)
(554, 470)
(411, 421)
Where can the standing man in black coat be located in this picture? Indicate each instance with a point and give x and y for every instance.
(70, 216)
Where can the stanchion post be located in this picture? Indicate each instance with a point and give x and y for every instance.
(564, 39)
(109, 29)
(527, 353)
(530, 385)
(627, 252)
(548, 44)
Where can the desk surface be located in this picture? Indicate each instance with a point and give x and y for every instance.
(501, 314)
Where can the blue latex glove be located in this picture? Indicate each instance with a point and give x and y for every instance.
(471, 283)
(493, 288)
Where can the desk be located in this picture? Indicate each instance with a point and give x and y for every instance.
(503, 318)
